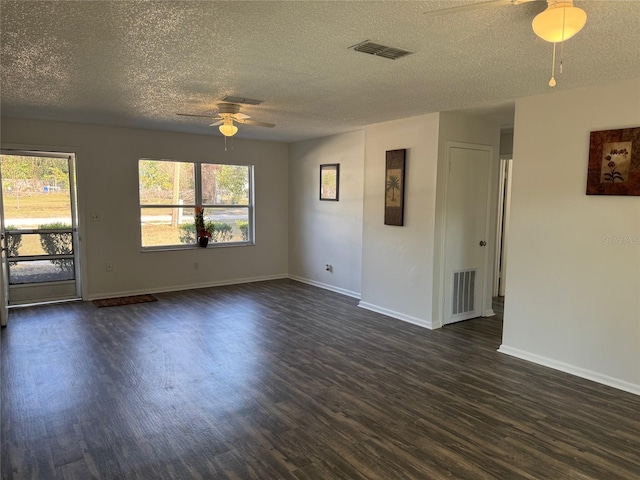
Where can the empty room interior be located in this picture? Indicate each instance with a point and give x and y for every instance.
(320, 239)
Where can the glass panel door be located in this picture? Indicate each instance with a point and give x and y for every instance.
(39, 226)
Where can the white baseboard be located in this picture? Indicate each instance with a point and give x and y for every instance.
(177, 288)
(572, 369)
(326, 286)
(488, 313)
(400, 316)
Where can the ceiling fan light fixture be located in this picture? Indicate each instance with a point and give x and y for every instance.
(559, 22)
(228, 129)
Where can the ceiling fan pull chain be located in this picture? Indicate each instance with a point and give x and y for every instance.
(552, 82)
(564, 17)
(226, 149)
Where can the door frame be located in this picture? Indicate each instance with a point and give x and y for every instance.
(4, 282)
(502, 225)
(440, 300)
(65, 153)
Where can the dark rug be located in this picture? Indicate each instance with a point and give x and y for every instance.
(115, 302)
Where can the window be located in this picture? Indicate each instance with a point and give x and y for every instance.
(169, 192)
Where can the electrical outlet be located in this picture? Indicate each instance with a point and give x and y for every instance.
(108, 267)
(94, 217)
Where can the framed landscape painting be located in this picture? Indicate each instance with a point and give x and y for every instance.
(330, 182)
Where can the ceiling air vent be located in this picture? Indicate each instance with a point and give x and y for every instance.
(242, 100)
(385, 51)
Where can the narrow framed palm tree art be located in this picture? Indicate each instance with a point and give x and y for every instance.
(394, 188)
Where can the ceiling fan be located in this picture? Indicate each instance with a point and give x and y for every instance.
(559, 22)
(227, 114)
(475, 6)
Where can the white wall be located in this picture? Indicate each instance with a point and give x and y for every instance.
(573, 298)
(107, 171)
(326, 232)
(472, 130)
(397, 262)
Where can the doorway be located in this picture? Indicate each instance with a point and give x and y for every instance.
(39, 227)
(502, 232)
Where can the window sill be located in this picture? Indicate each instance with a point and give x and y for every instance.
(175, 248)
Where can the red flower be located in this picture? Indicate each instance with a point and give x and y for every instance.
(204, 233)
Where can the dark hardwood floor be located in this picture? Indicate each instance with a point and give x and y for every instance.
(281, 380)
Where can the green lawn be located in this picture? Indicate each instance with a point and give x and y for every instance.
(36, 205)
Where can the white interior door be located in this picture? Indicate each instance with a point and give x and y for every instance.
(466, 232)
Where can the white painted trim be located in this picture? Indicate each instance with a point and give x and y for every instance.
(507, 219)
(499, 222)
(46, 149)
(571, 369)
(4, 308)
(488, 312)
(4, 280)
(400, 316)
(326, 286)
(486, 284)
(193, 286)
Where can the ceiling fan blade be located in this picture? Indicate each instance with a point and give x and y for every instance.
(240, 116)
(247, 121)
(474, 6)
(219, 122)
(192, 115)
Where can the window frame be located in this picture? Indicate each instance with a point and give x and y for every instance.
(198, 194)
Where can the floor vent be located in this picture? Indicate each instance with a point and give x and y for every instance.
(379, 50)
(464, 283)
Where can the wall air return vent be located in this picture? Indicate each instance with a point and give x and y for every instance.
(379, 50)
(464, 284)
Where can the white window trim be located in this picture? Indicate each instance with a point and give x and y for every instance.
(250, 206)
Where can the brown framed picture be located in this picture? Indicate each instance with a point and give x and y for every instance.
(394, 188)
(330, 181)
(614, 162)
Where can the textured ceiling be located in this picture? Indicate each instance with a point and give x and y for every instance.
(138, 63)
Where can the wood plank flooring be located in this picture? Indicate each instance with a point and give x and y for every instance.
(281, 380)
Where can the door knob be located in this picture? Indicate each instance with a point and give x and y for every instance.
(483, 243)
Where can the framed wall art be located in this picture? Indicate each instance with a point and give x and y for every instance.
(330, 182)
(614, 162)
(394, 188)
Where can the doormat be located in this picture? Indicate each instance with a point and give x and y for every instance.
(115, 302)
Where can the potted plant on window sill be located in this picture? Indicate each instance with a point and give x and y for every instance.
(204, 230)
